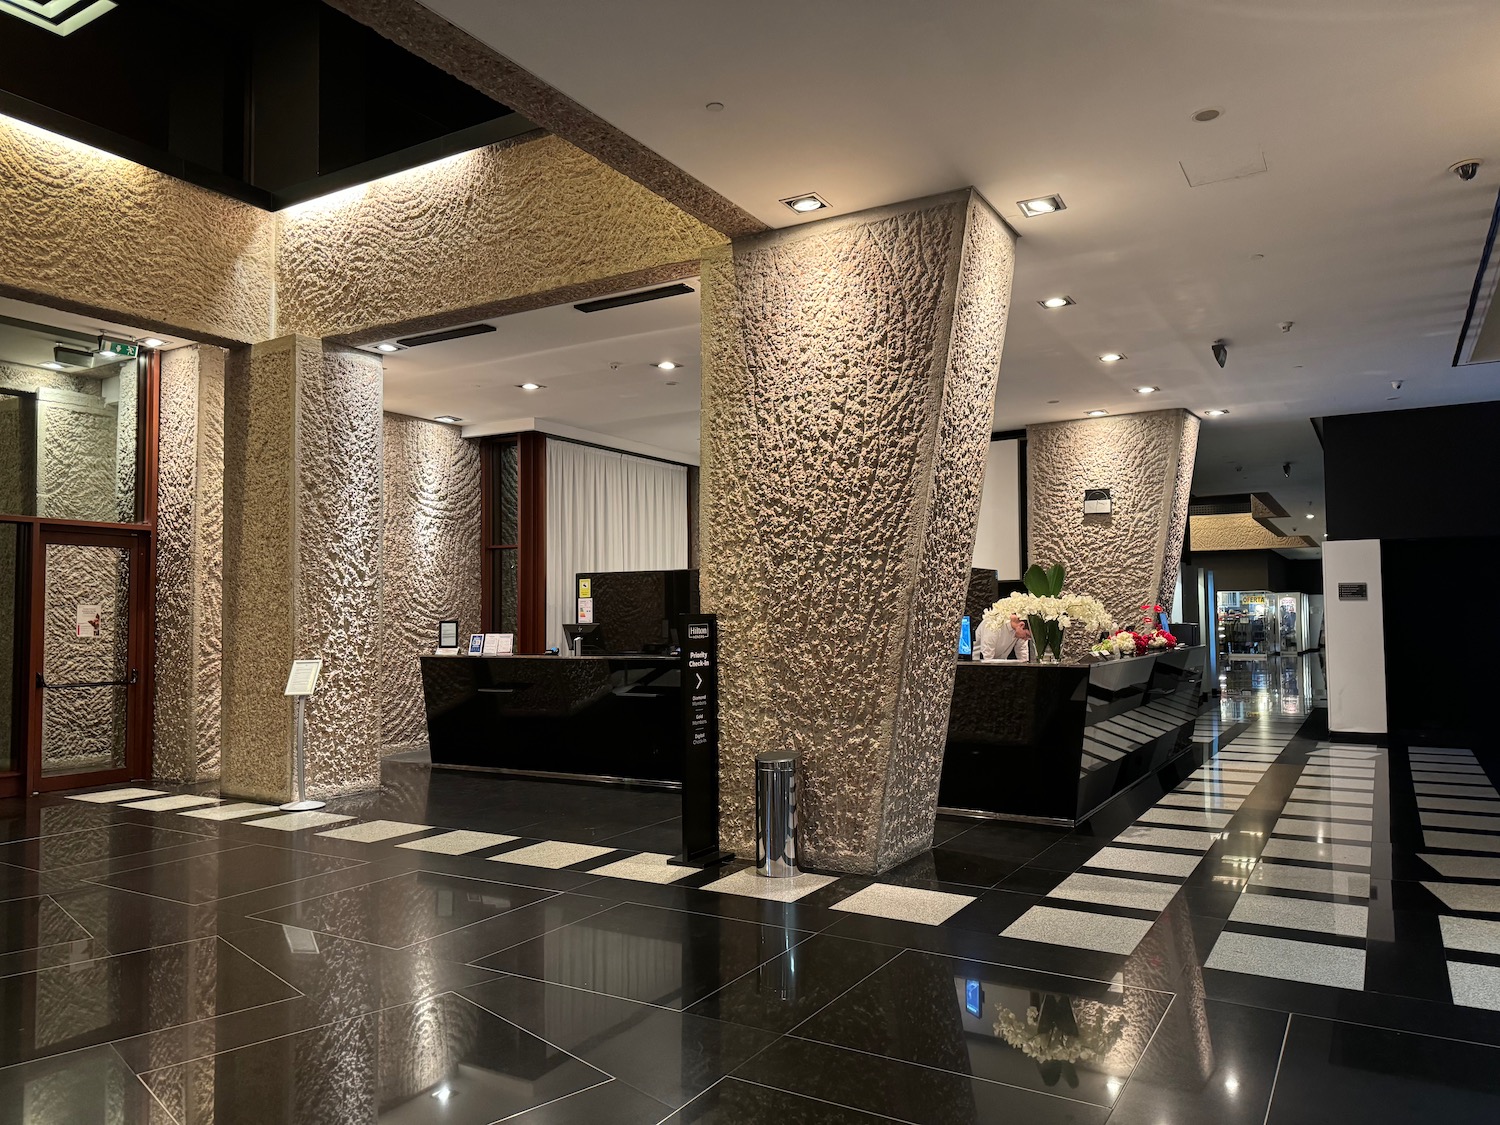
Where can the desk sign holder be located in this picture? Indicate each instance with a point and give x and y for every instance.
(300, 684)
(700, 742)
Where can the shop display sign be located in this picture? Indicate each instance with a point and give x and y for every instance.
(499, 644)
(476, 644)
(302, 681)
(1354, 591)
(700, 738)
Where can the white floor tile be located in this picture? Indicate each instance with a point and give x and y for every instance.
(376, 830)
(1192, 817)
(1309, 962)
(555, 854)
(1307, 914)
(1459, 820)
(1140, 859)
(457, 843)
(296, 821)
(1179, 838)
(1477, 779)
(1078, 929)
(1323, 810)
(1109, 890)
(1468, 792)
(1456, 804)
(1463, 866)
(1322, 829)
(1462, 841)
(1449, 768)
(1472, 898)
(746, 882)
(905, 904)
(173, 803)
(1350, 855)
(230, 812)
(1473, 934)
(1325, 880)
(1334, 796)
(1200, 801)
(1475, 986)
(109, 796)
(648, 867)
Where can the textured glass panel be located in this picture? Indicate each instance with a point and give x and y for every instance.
(507, 527)
(87, 640)
(10, 555)
(69, 444)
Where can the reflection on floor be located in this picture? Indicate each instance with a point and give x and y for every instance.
(1281, 929)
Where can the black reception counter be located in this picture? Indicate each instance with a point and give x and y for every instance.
(1055, 742)
(609, 718)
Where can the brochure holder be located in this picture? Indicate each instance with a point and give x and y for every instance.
(300, 684)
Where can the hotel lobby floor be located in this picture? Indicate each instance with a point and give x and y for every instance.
(1283, 929)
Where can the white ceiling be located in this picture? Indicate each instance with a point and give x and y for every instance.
(597, 372)
(33, 346)
(1357, 108)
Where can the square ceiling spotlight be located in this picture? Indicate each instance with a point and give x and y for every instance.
(1059, 302)
(806, 204)
(62, 17)
(1041, 205)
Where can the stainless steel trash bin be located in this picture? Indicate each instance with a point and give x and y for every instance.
(777, 773)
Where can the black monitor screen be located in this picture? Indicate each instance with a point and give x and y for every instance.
(637, 610)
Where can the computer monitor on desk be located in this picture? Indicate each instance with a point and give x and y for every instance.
(588, 635)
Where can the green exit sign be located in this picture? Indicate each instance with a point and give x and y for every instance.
(119, 348)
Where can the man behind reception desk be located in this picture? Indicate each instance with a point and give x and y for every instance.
(1007, 642)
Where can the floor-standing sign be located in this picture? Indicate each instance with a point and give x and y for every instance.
(700, 742)
(300, 684)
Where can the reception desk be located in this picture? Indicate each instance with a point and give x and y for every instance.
(1055, 742)
(604, 718)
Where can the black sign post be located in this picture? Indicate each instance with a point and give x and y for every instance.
(700, 742)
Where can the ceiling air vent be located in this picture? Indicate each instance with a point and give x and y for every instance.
(624, 299)
(446, 334)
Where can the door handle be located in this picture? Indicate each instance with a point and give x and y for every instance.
(41, 682)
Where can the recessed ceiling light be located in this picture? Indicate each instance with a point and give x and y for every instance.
(1310, 515)
(803, 204)
(53, 365)
(1053, 401)
(1146, 390)
(666, 365)
(1215, 413)
(1111, 357)
(714, 107)
(153, 342)
(530, 386)
(1209, 114)
(1042, 205)
(1057, 302)
(386, 348)
(448, 419)
(1096, 413)
(671, 382)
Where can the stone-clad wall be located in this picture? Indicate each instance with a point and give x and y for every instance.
(846, 420)
(429, 561)
(190, 565)
(1130, 556)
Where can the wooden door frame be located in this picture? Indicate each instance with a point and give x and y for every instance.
(531, 536)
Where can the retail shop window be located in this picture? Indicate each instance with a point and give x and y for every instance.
(513, 524)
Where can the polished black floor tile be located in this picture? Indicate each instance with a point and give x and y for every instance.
(1337, 1071)
(80, 1088)
(784, 991)
(1209, 1062)
(670, 1056)
(223, 874)
(30, 923)
(943, 868)
(123, 921)
(904, 1091)
(26, 820)
(999, 840)
(91, 845)
(735, 1102)
(440, 1060)
(474, 943)
(405, 908)
(62, 1009)
(1052, 1035)
(667, 957)
(613, 1102)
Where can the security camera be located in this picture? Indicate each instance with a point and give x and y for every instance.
(1396, 384)
(1221, 352)
(1466, 169)
(1286, 468)
(1285, 325)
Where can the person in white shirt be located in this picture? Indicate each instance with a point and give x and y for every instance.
(1011, 642)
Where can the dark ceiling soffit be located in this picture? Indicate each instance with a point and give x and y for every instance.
(512, 127)
(428, 36)
(640, 297)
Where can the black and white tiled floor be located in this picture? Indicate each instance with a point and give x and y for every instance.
(1279, 929)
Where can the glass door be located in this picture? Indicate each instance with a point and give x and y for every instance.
(88, 699)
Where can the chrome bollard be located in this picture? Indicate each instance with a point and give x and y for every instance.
(776, 831)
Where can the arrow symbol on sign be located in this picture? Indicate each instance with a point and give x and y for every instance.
(699, 675)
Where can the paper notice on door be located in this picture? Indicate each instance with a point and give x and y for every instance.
(90, 620)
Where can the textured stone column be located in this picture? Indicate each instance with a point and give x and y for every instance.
(1131, 555)
(302, 530)
(189, 565)
(849, 372)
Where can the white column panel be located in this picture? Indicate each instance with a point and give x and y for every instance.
(1356, 637)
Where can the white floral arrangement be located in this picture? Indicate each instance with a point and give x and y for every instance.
(1067, 610)
(1098, 1032)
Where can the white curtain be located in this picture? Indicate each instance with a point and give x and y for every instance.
(608, 511)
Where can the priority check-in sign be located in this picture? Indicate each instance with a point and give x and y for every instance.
(700, 740)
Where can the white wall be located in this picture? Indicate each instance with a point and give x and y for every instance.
(997, 542)
(1356, 638)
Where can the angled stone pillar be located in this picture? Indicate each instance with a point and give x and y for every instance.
(1130, 556)
(302, 531)
(849, 372)
(189, 565)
